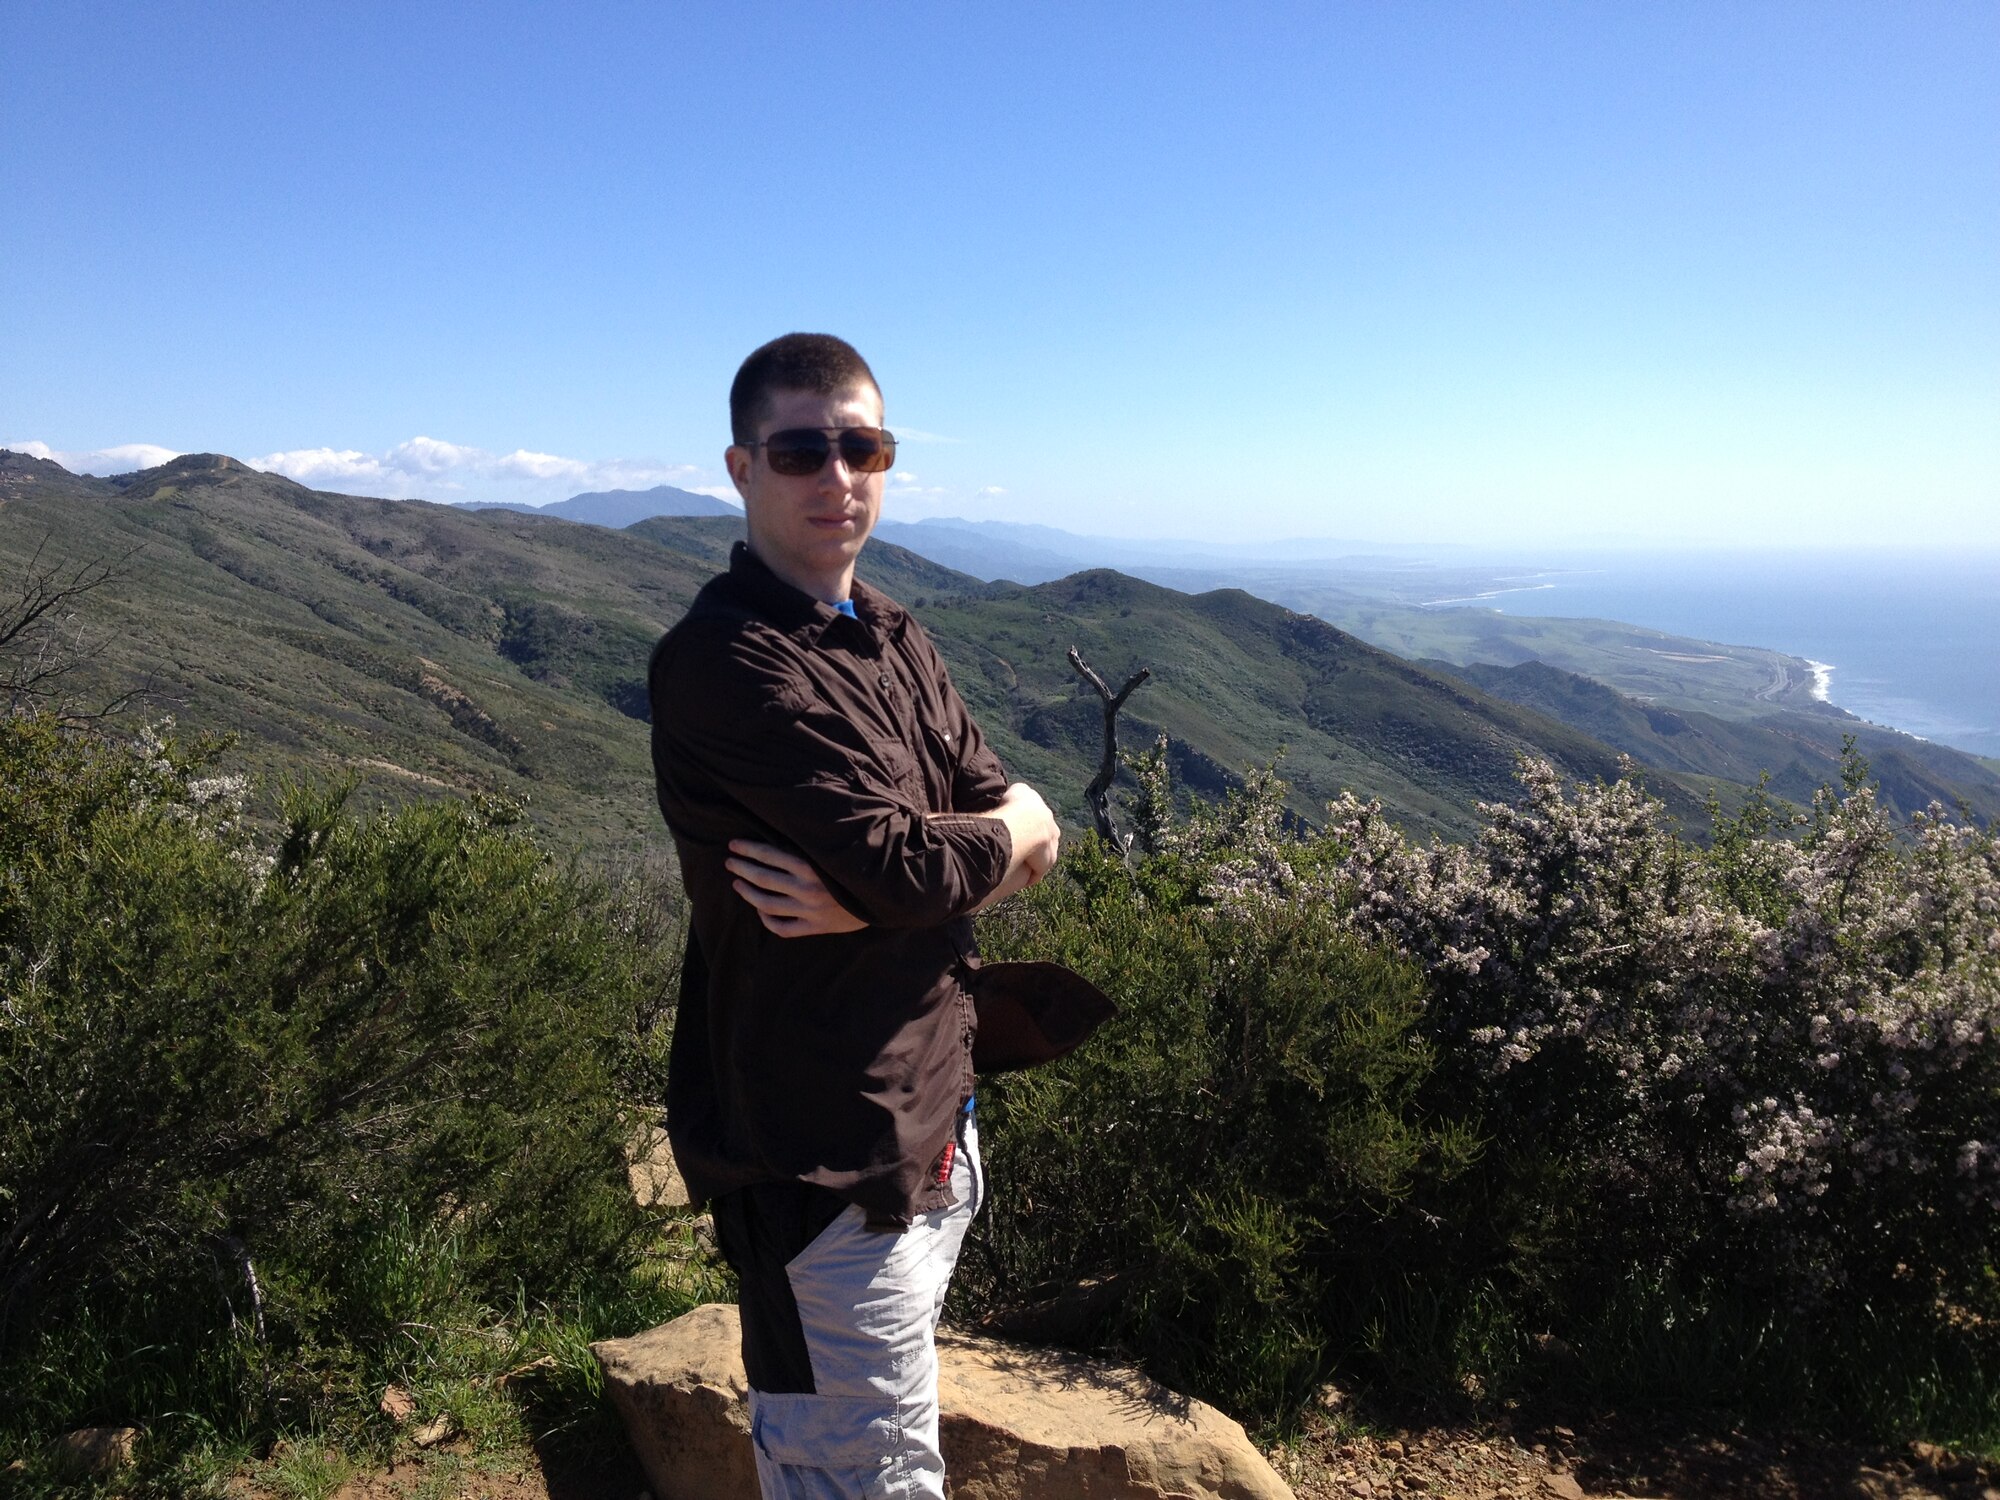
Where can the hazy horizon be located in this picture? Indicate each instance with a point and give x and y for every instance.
(1496, 553)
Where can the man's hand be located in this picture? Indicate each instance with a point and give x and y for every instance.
(790, 897)
(1036, 837)
(792, 900)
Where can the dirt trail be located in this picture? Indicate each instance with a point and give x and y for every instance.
(1614, 1456)
(1544, 1457)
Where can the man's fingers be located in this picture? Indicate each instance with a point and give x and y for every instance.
(768, 901)
(773, 856)
(770, 877)
(790, 896)
(787, 927)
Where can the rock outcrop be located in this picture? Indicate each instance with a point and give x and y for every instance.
(98, 1452)
(649, 1164)
(681, 1390)
(1018, 1423)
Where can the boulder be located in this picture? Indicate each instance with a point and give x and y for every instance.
(98, 1451)
(1017, 1424)
(649, 1166)
(681, 1391)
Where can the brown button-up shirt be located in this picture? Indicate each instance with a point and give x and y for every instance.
(840, 1059)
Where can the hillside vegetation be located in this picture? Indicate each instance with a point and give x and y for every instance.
(420, 649)
(297, 1112)
(427, 649)
(318, 1080)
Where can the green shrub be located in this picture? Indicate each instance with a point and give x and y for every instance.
(267, 1103)
(1236, 1149)
(1718, 1125)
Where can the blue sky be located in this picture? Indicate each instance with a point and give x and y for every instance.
(1396, 271)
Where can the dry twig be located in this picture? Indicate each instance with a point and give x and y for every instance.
(1098, 793)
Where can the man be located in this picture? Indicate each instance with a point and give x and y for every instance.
(839, 818)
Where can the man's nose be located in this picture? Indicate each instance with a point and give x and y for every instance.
(834, 473)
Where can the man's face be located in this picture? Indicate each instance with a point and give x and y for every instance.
(808, 528)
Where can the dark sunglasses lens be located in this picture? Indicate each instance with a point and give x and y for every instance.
(798, 450)
(867, 450)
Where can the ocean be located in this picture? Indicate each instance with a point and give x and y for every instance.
(1907, 639)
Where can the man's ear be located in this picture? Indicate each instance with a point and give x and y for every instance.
(737, 460)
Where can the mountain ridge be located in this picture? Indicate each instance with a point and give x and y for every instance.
(618, 509)
(415, 646)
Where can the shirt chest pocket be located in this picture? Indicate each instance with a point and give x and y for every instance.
(897, 765)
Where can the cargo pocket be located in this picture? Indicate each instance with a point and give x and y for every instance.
(858, 1437)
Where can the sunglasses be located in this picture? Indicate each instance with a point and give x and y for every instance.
(805, 450)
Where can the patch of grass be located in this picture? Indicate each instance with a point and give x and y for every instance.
(307, 1470)
(508, 1378)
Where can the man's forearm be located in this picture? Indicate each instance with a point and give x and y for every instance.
(1018, 878)
(1033, 834)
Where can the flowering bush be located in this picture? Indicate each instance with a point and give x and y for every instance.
(1782, 1047)
(1728, 1109)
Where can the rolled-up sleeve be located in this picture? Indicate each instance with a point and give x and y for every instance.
(734, 728)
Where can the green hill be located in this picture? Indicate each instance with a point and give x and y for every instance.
(1801, 751)
(1651, 665)
(424, 648)
(1386, 606)
(416, 647)
(1236, 680)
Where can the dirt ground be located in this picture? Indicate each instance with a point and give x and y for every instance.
(1544, 1459)
(454, 1472)
(1609, 1455)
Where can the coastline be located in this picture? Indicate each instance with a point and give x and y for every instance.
(1822, 685)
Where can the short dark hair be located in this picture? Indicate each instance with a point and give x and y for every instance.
(816, 362)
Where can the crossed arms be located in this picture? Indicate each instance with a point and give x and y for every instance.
(792, 899)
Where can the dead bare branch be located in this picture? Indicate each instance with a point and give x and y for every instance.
(42, 637)
(1098, 793)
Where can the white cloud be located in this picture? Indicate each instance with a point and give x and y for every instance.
(322, 466)
(122, 458)
(422, 455)
(918, 435)
(432, 468)
(522, 464)
(422, 467)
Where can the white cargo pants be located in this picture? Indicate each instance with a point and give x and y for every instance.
(868, 1303)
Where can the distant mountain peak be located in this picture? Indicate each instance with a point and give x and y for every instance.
(13, 461)
(189, 463)
(23, 474)
(620, 508)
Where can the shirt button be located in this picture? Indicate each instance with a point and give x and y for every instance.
(885, 679)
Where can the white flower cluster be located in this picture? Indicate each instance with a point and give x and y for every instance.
(163, 776)
(1801, 1022)
(1808, 1003)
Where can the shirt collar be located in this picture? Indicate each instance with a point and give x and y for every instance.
(796, 612)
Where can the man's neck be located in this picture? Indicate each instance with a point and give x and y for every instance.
(827, 588)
